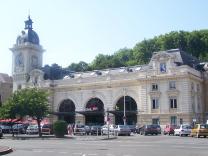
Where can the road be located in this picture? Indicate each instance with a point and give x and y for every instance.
(122, 146)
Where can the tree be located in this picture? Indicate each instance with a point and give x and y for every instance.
(53, 72)
(79, 67)
(29, 101)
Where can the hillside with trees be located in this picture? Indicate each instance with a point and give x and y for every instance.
(195, 43)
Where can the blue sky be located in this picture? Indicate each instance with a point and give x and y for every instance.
(78, 30)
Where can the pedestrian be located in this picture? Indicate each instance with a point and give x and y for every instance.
(69, 129)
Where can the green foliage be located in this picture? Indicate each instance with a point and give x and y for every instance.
(79, 67)
(60, 128)
(29, 101)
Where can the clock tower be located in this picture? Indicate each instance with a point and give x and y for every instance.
(26, 56)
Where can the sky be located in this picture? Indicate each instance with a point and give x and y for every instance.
(78, 30)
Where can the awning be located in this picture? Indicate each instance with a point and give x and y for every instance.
(121, 113)
(91, 112)
(11, 120)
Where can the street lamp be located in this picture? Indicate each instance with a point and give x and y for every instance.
(124, 116)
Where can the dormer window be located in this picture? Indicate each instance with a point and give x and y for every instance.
(172, 85)
(154, 87)
(162, 67)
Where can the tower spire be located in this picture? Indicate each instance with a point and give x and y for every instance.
(28, 23)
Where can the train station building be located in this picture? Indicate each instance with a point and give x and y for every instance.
(171, 88)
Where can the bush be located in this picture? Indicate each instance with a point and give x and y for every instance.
(60, 128)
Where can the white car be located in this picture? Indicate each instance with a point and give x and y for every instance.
(32, 129)
(104, 129)
(182, 130)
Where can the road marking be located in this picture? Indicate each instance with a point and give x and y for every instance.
(76, 153)
(63, 152)
(37, 151)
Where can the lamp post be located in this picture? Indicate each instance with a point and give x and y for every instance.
(124, 116)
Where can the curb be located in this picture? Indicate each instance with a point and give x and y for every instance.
(5, 150)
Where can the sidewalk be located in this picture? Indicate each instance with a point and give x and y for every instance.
(52, 137)
(5, 150)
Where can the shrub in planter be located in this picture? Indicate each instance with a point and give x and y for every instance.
(60, 128)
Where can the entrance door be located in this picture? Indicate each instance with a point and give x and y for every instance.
(67, 111)
(94, 114)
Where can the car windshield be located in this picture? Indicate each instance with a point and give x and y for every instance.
(123, 126)
(33, 126)
(186, 127)
(17, 126)
(155, 126)
(80, 126)
(46, 126)
(204, 126)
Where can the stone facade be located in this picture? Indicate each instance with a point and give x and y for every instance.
(167, 90)
(5, 87)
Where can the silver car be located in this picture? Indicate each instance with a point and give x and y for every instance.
(182, 130)
(122, 130)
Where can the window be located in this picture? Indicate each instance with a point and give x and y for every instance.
(173, 103)
(156, 121)
(198, 88)
(154, 87)
(19, 87)
(163, 67)
(198, 103)
(173, 120)
(193, 103)
(192, 86)
(155, 104)
(181, 121)
(172, 85)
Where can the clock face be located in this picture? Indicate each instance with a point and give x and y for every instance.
(19, 60)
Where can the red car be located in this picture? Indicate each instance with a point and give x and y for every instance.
(169, 129)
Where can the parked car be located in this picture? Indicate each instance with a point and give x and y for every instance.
(47, 129)
(122, 130)
(169, 129)
(87, 129)
(32, 129)
(1, 133)
(182, 130)
(19, 128)
(150, 129)
(79, 129)
(6, 129)
(133, 128)
(158, 128)
(105, 128)
(96, 129)
(200, 130)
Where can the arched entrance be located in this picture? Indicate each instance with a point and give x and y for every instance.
(94, 112)
(130, 111)
(67, 111)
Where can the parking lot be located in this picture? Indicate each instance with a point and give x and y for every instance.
(133, 145)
